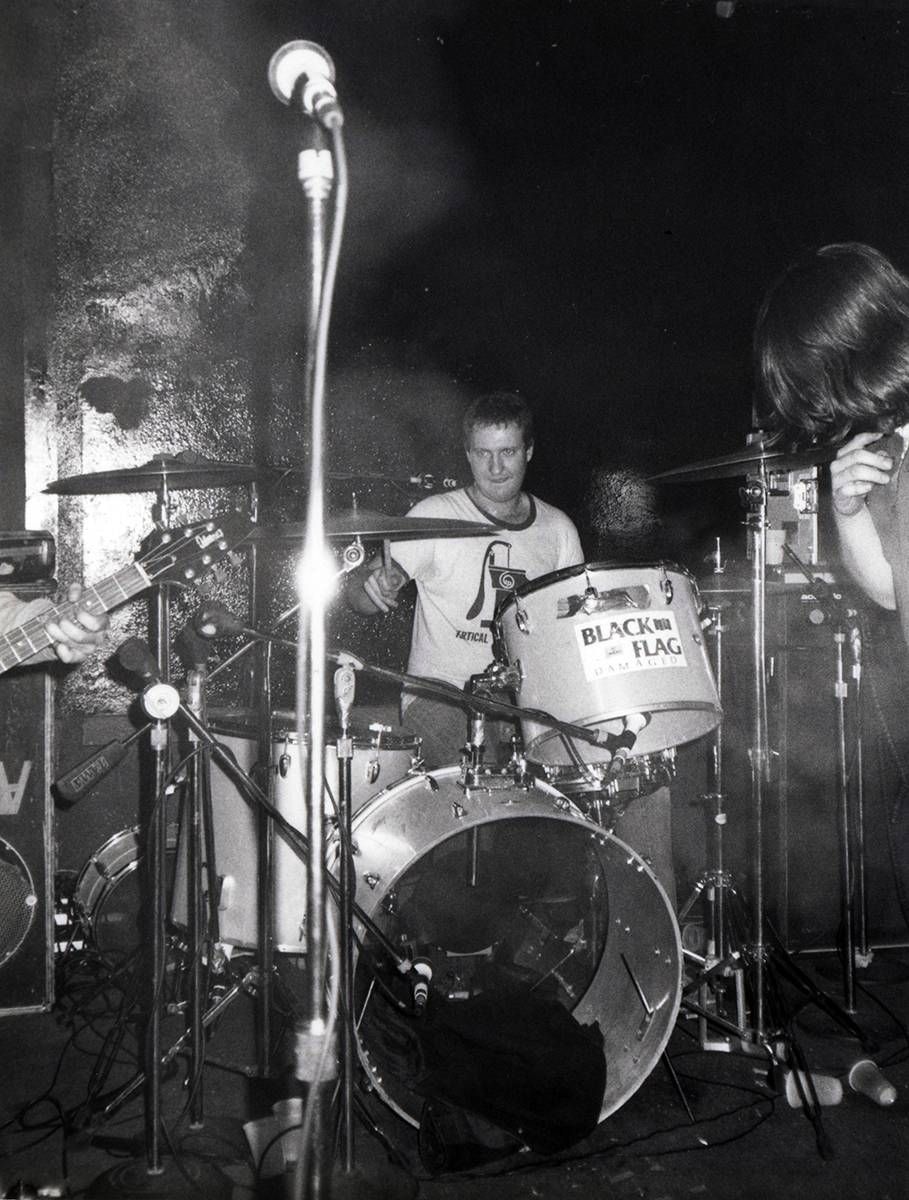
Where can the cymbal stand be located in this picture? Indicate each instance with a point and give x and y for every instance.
(850, 816)
(715, 883)
(766, 965)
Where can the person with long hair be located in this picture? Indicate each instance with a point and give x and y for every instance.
(832, 362)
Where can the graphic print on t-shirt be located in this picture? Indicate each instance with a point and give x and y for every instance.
(502, 580)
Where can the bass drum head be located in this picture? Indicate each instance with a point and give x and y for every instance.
(512, 888)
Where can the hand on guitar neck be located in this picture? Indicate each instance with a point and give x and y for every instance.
(74, 630)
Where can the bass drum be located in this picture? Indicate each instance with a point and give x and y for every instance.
(107, 897)
(513, 887)
(600, 642)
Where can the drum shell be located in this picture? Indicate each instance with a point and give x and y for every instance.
(376, 760)
(112, 869)
(593, 666)
(398, 827)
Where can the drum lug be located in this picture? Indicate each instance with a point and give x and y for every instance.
(521, 619)
(371, 880)
(457, 810)
(666, 586)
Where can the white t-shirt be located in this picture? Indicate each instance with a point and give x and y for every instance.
(460, 580)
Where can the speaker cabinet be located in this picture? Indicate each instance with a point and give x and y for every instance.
(26, 842)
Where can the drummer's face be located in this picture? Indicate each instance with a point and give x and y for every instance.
(498, 461)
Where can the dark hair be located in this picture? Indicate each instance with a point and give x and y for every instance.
(831, 346)
(499, 408)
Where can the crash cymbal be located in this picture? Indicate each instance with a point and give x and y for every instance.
(365, 524)
(176, 471)
(750, 461)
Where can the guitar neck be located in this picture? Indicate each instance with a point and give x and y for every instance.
(29, 639)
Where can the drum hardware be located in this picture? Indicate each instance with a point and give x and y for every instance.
(846, 623)
(178, 555)
(764, 963)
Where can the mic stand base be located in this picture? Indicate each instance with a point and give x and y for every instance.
(192, 1178)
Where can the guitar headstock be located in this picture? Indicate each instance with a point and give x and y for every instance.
(182, 554)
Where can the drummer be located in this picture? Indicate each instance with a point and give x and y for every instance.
(460, 580)
(73, 636)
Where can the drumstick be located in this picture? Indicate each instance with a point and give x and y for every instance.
(386, 554)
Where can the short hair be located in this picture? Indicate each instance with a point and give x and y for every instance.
(499, 408)
(831, 346)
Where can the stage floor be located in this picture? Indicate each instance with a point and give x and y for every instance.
(66, 1122)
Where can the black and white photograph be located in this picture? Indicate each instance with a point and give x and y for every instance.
(454, 599)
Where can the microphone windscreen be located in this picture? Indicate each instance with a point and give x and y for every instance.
(135, 657)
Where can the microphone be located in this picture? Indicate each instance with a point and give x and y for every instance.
(345, 686)
(421, 976)
(623, 743)
(159, 699)
(214, 620)
(855, 644)
(303, 72)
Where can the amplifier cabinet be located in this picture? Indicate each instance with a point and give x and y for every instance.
(26, 840)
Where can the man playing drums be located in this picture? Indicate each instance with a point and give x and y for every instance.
(460, 580)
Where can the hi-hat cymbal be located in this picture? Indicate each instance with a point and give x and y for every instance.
(165, 470)
(365, 524)
(750, 461)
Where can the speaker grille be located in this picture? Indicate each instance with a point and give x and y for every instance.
(18, 901)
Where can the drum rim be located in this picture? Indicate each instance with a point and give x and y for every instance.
(542, 581)
(103, 878)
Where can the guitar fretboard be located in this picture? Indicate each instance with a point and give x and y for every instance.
(31, 638)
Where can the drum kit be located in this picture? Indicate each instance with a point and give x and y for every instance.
(496, 876)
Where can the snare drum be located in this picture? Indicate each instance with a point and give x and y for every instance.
(379, 759)
(598, 643)
(107, 896)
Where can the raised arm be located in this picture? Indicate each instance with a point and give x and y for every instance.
(374, 587)
(854, 473)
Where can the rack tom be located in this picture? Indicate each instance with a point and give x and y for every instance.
(608, 646)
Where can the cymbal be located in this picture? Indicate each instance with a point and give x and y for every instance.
(165, 470)
(365, 524)
(750, 461)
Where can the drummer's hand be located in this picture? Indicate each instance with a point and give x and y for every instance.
(856, 471)
(382, 586)
(75, 636)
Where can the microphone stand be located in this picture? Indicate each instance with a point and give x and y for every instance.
(853, 917)
(345, 684)
(314, 1050)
